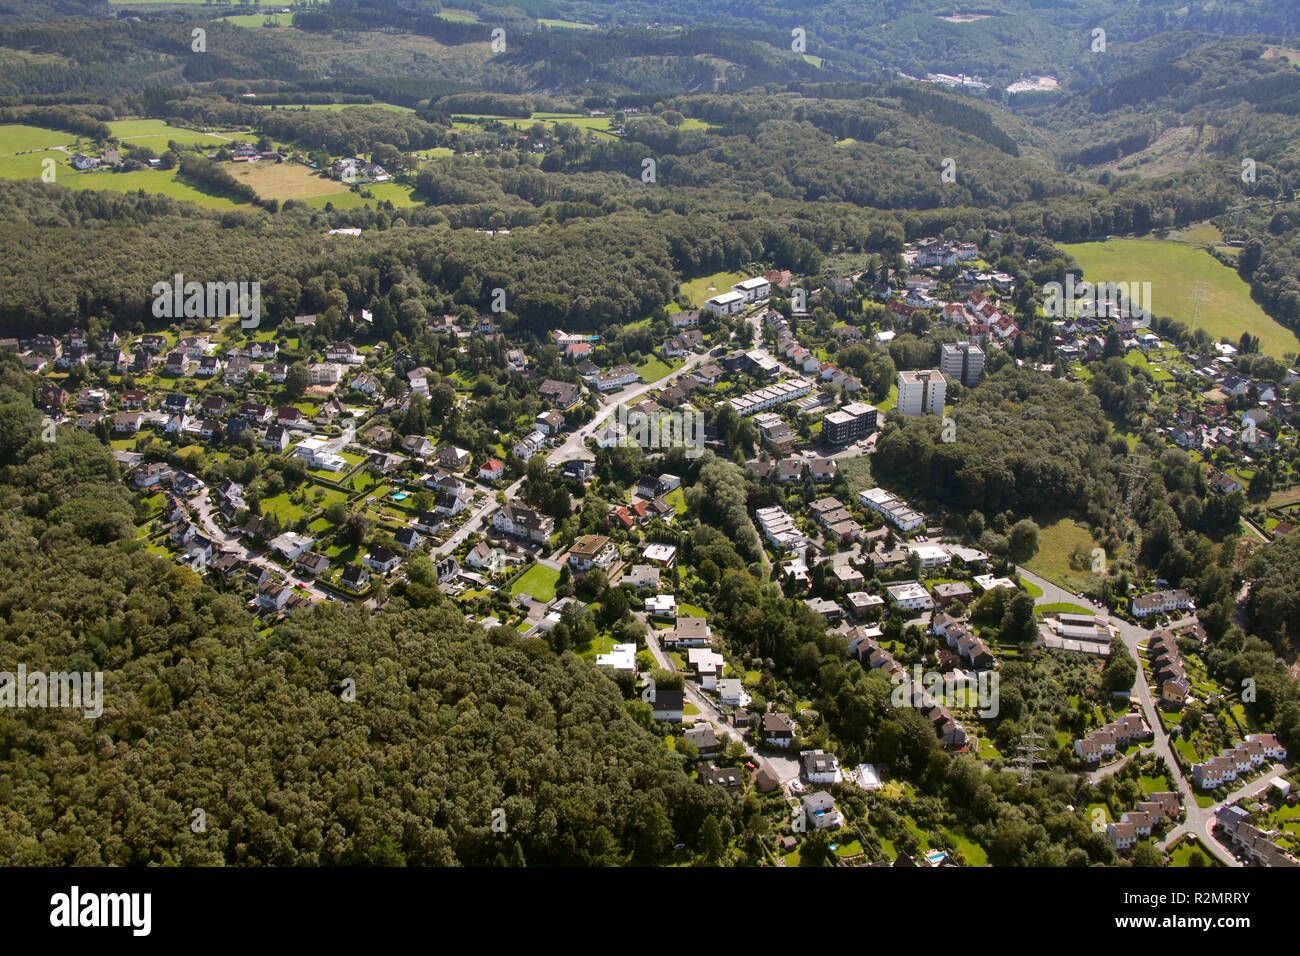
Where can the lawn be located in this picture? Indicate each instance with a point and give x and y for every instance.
(1185, 849)
(288, 512)
(1174, 271)
(539, 581)
(973, 852)
(1187, 751)
(654, 368)
(1064, 608)
(697, 291)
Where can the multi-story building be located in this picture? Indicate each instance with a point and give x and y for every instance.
(921, 393)
(752, 403)
(854, 421)
(962, 361)
(592, 551)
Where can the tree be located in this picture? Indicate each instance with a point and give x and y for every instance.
(816, 849)
(711, 839)
(296, 380)
(1120, 672)
(1019, 623)
(356, 528)
(442, 399)
(1023, 540)
(416, 420)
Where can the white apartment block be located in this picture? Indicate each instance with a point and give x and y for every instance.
(895, 511)
(727, 303)
(779, 528)
(754, 290)
(760, 401)
(911, 595)
(921, 393)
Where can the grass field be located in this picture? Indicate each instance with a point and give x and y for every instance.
(156, 134)
(285, 180)
(539, 581)
(697, 291)
(1056, 544)
(260, 19)
(567, 25)
(293, 181)
(30, 166)
(151, 181)
(654, 368)
(336, 107)
(17, 138)
(1175, 270)
(396, 193)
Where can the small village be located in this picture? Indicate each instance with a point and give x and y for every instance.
(312, 461)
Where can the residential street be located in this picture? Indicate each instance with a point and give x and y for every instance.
(575, 446)
(1198, 820)
(785, 769)
(232, 542)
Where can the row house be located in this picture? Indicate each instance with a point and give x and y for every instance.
(1162, 602)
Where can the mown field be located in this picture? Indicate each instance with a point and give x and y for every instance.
(1174, 271)
(260, 19)
(17, 138)
(696, 292)
(31, 165)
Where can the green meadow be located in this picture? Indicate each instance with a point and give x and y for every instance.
(1174, 271)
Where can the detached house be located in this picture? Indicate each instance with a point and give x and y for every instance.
(778, 730)
(520, 521)
(592, 551)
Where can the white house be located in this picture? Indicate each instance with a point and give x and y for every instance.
(726, 303)
(754, 290)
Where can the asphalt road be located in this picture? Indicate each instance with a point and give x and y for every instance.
(1198, 820)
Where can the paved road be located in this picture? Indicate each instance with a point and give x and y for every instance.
(232, 542)
(476, 521)
(1202, 822)
(1116, 765)
(576, 446)
(784, 769)
(1197, 820)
